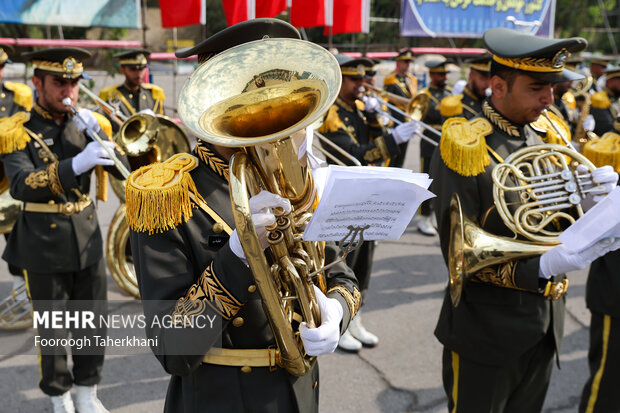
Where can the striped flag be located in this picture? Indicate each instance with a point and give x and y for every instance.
(238, 11)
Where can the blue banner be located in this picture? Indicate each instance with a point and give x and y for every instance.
(471, 18)
(101, 13)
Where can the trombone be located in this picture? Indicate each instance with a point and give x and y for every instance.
(112, 112)
(337, 148)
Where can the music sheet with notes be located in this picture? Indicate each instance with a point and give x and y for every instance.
(601, 221)
(385, 199)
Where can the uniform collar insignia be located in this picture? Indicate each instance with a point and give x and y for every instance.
(42, 112)
(212, 160)
(500, 121)
(344, 105)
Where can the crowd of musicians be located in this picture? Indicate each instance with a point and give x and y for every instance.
(501, 332)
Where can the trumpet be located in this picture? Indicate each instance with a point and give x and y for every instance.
(122, 169)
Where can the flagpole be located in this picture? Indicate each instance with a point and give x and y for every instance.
(174, 69)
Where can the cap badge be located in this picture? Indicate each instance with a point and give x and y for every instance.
(559, 59)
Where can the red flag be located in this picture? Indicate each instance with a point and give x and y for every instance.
(351, 16)
(310, 13)
(238, 11)
(177, 13)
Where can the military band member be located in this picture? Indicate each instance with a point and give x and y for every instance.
(468, 104)
(133, 95)
(605, 105)
(600, 392)
(197, 258)
(436, 90)
(14, 97)
(57, 239)
(499, 342)
(356, 126)
(402, 83)
(598, 65)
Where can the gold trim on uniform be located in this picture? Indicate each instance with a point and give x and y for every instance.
(463, 145)
(555, 291)
(138, 60)
(217, 164)
(53, 179)
(42, 112)
(498, 120)
(185, 310)
(69, 67)
(502, 276)
(218, 297)
(353, 300)
(532, 64)
(38, 179)
(381, 145)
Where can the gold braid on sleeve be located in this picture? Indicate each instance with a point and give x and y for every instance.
(501, 276)
(353, 300)
(218, 298)
(53, 179)
(38, 179)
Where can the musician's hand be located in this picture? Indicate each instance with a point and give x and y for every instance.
(559, 259)
(261, 206)
(371, 104)
(93, 154)
(405, 131)
(84, 119)
(589, 123)
(323, 339)
(605, 177)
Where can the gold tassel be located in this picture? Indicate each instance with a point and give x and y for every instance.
(23, 94)
(600, 100)
(102, 183)
(13, 135)
(463, 147)
(451, 106)
(158, 195)
(604, 151)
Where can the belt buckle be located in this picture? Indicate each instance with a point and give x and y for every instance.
(68, 208)
(557, 290)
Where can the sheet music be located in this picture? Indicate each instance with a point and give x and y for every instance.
(386, 199)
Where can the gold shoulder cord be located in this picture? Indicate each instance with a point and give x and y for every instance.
(40, 141)
(126, 103)
(203, 205)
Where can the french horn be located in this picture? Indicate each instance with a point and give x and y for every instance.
(250, 97)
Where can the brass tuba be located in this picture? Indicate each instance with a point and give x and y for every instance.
(534, 189)
(254, 97)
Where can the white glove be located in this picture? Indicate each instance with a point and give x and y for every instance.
(405, 131)
(323, 339)
(559, 259)
(607, 179)
(93, 154)
(260, 207)
(589, 123)
(371, 104)
(148, 112)
(85, 118)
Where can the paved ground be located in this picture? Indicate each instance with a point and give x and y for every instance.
(402, 374)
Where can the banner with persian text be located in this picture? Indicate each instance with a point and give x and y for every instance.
(471, 18)
(101, 13)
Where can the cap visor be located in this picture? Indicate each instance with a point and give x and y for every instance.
(555, 77)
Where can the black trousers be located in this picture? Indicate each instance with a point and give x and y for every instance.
(13, 269)
(426, 208)
(60, 291)
(515, 388)
(398, 160)
(360, 261)
(600, 393)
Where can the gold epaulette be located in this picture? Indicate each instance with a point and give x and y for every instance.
(332, 121)
(22, 94)
(451, 106)
(569, 99)
(359, 105)
(158, 195)
(551, 136)
(158, 93)
(109, 92)
(104, 123)
(463, 145)
(13, 135)
(604, 151)
(600, 100)
(390, 79)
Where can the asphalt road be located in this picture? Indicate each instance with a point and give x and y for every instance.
(402, 374)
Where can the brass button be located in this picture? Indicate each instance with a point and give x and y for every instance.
(218, 227)
(3, 109)
(246, 369)
(251, 288)
(316, 383)
(53, 226)
(144, 97)
(130, 95)
(3, 95)
(237, 321)
(90, 216)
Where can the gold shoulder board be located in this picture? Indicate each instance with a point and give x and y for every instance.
(451, 106)
(158, 93)
(600, 100)
(569, 99)
(13, 135)
(390, 79)
(543, 124)
(104, 123)
(22, 94)
(463, 145)
(332, 121)
(604, 151)
(108, 92)
(158, 195)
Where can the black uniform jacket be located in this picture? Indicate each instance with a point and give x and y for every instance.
(492, 324)
(433, 118)
(171, 265)
(471, 106)
(14, 97)
(604, 109)
(358, 133)
(52, 242)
